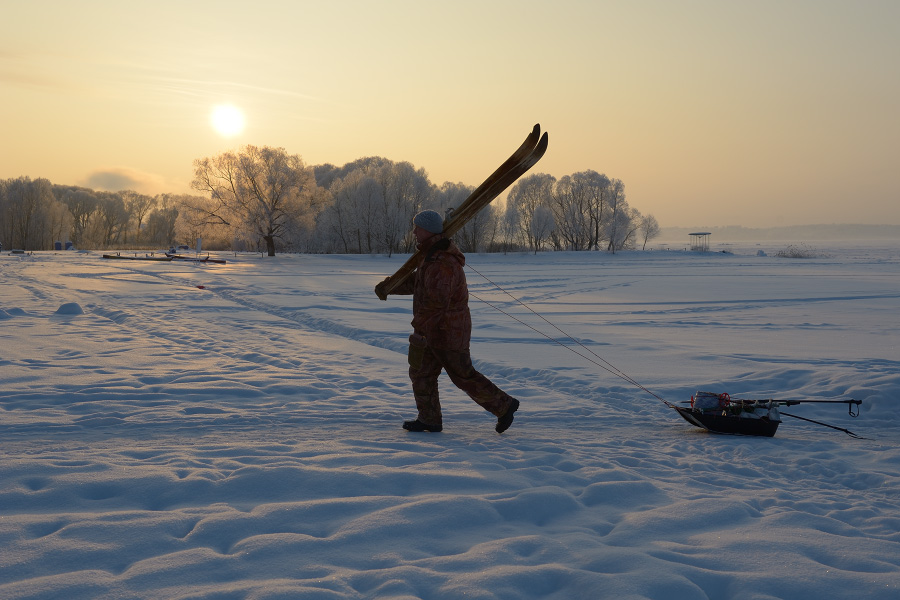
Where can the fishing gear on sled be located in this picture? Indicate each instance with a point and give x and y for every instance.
(718, 413)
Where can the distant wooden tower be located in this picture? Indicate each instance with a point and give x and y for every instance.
(700, 241)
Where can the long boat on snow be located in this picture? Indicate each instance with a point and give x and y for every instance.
(136, 256)
(205, 259)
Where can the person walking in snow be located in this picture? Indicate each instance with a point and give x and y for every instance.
(442, 329)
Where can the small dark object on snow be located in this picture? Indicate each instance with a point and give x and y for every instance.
(150, 256)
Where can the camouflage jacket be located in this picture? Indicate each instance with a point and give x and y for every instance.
(440, 296)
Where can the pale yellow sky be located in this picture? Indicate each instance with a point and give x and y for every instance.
(712, 112)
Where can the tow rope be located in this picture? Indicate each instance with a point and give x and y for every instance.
(594, 358)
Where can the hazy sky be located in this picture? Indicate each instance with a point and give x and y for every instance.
(712, 112)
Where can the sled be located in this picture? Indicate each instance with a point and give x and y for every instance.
(720, 413)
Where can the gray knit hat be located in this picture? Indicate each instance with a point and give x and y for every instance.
(430, 221)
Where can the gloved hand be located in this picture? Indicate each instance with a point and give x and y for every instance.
(380, 289)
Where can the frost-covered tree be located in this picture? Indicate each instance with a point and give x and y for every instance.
(542, 226)
(353, 219)
(193, 222)
(647, 230)
(138, 206)
(406, 191)
(579, 206)
(111, 220)
(160, 222)
(524, 199)
(263, 197)
(448, 196)
(373, 201)
(30, 216)
(82, 205)
(482, 230)
(262, 190)
(619, 221)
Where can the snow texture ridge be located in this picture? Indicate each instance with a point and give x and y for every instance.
(243, 440)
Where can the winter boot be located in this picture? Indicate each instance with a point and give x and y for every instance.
(418, 425)
(506, 420)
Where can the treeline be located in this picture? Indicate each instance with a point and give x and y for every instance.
(35, 214)
(264, 199)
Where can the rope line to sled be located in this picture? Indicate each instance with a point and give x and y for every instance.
(600, 361)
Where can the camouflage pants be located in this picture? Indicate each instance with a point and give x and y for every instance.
(458, 366)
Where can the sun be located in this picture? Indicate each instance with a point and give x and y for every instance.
(227, 120)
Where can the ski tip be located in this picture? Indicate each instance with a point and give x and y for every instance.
(542, 145)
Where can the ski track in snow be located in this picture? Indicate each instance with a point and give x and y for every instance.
(242, 440)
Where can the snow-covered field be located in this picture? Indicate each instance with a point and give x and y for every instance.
(233, 431)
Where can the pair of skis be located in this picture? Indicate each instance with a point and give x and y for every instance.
(528, 154)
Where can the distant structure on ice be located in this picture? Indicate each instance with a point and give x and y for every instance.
(700, 241)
